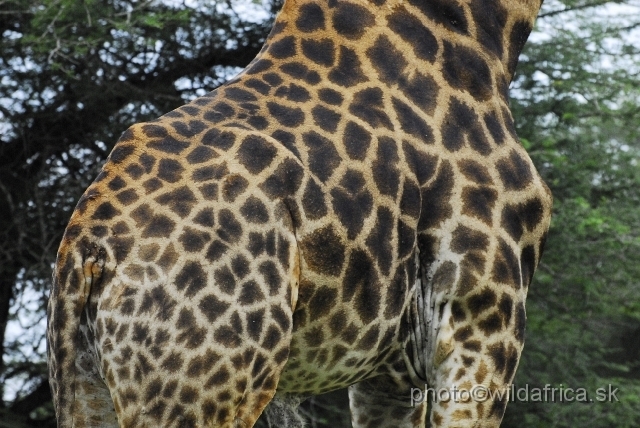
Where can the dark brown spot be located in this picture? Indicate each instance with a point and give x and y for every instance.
(169, 145)
(491, 324)
(212, 307)
(250, 293)
(227, 337)
(105, 211)
(191, 335)
(457, 311)
(514, 171)
(225, 280)
(465, 239)
(412, 123)
(255, 153)
(313, 201)
(422, 165)
(193, 240)
(520, 322)
(506, 267)
(117, 183)
(527, 264)
(283, 48)
(449, 14)
(493, 123)
(322, 302)
(330, 96)
(481, 302)
(444, 276)
(369, 106)
(351, 20)
(397, 293)
(387, 60)
(379, 242)
(321, 52)
(361, 284)
(323, 156)
(353, 205)
(121, 152)
(170, 170)
(271, 338)
(462, 126)
(517, 38)
(298, 70)
(412, 31)
(233, 186)
(254, 322)
(293, 92)
(310, 18)
(220, 140)
(284, 181)
(127, 197)
(151, 185)
(173, 362)
(201, 154)
(497, 352)
(463, 334)
(158, 302)
(254, 211)
(348, 72)
(220, 377)
(229, 229)
(479, 202)
(192, 278)
(325, 118)
(323, 251)
(436, 205)
(464, 69)
(356, 140)
(271, 276)
(216, 250)
(505, 307)
(236, 94)
(153, 389)
(205, 218)
(160, 226)
(515, 218)
(287, 116)
(180, 201)
(475, 171)
(369, 339)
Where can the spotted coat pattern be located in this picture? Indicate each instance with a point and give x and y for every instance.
(354, 209)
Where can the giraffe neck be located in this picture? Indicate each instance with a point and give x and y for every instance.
(475, 43)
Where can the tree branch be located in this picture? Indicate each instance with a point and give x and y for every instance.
(36, 398)
(577, 7)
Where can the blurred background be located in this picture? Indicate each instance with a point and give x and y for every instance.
(74, 74)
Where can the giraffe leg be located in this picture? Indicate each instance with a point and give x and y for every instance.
(205, 345)
(190, 383)
(282, 411)
(194, 377)
(92, 406)
(381, 403)
(467, 331)
(81, 398)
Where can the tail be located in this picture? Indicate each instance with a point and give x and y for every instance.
(80, 396)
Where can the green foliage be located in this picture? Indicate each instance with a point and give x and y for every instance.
(577, 107)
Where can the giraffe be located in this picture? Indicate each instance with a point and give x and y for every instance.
(354, 209)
